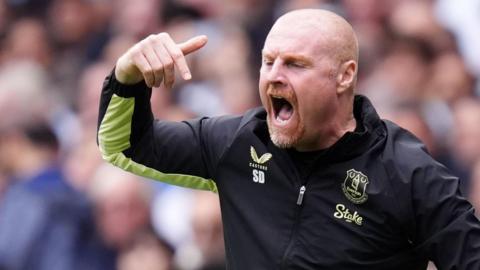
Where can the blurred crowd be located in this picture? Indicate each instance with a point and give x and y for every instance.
(62, 207)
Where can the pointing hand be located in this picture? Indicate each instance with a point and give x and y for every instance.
(153, 60)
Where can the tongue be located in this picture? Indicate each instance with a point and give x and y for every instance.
(285, 112)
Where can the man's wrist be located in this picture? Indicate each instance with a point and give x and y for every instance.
(126, 89)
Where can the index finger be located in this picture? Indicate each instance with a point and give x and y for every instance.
(177, 56)
(193, 44)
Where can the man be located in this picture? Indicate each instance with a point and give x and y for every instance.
(314, 179)
(44, 222)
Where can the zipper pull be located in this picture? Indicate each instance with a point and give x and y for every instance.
(300, 195)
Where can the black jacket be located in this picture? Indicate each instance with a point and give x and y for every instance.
(374, 200)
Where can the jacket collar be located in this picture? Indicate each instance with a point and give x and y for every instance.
(369, 131)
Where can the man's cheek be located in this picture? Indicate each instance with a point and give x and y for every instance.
(263, 97)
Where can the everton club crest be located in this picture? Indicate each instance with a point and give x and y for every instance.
(355, 185)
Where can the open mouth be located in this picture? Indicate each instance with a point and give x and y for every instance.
(282, 108)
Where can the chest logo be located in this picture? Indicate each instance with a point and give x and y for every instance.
(258, 165)
(342, 212)
(355, 185)
(262, 160)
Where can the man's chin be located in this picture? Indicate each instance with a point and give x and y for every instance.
(282, 142)
(283, 139)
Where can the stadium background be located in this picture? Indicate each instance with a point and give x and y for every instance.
(419, 64)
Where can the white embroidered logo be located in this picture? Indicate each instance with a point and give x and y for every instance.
(259, 169)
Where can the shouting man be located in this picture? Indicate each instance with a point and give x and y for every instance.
(314, 179)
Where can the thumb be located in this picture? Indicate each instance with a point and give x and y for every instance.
(193, 44)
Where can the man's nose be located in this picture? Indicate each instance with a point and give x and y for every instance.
(276, 73)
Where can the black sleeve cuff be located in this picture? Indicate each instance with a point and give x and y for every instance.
(127, 90)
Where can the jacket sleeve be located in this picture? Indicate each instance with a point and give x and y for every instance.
(179, 153)
(446, 229)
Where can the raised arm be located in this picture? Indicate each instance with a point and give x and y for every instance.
(178, 153)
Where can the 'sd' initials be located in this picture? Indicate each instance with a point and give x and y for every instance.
(258, 176)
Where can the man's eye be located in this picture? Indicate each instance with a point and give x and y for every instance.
(267, 62)
(294, 65)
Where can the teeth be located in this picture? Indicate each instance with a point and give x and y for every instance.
(280, 120)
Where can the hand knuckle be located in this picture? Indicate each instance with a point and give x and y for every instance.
(177, 55)
(155, 68)
(163, 35)
(141, 46)
(135, 56)
(168, 63)
(156, 41)
(135, 49)
(148, 70)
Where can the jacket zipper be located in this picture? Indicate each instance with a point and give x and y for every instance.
(301, 194)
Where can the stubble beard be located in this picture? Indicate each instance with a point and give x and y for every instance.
(285, 138)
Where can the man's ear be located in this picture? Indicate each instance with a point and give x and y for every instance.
(346, 76)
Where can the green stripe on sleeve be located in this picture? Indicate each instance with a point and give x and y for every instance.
(114, 137)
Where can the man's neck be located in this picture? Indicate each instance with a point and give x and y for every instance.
(331, 135)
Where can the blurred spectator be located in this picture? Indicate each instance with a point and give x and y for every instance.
(208, 231)
(114, 49)
(84, 149)
(207, 251)
(466, 132)
(88, 97)
(44, 222)
(146, 253)
(81, 163)
(416, 19)
(20, 37)
(369, 19)
(137, 19)
(71, 22)
(217, 88)
(465, 143)
(462, 18)
(119, 198)
(410, 117)
(23, 97)
(401, 75)
(450, 80)
(122, 213)
(71, 25)
(102, 13)
(15, 96)
(368, 11)
(17, 92)
(174, 221)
